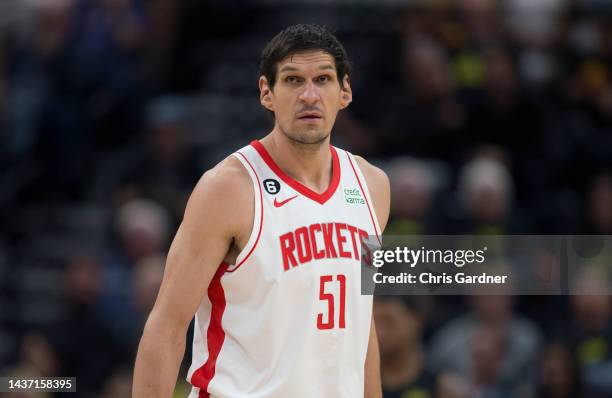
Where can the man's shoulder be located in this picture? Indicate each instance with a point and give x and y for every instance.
(374, 175)
(378, 186)
(227, 183)
(230, 172)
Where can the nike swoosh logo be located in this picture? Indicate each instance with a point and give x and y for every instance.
(281, 203)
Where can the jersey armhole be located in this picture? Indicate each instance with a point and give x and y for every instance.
(364, 187)
(257, 214)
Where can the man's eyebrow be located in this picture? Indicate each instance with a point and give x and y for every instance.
(289, 68)
(325, 67)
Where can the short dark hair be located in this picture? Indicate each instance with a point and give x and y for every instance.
(298, 38)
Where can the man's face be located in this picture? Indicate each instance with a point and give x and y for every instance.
(306, 96)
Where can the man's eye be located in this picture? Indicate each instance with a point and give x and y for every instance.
(323, 79)
(291, 79)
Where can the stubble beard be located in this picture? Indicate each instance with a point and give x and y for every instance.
(308, 137)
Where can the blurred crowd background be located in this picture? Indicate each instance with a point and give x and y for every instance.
(490, 117)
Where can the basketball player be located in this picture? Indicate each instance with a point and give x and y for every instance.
(267, 256)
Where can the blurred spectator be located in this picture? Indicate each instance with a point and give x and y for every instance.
(147, 277)
(163, 17)
(536, 26)
(586, 37)
(107, 66)
(502, 114)
(453, 386)
(412, 188)
(488, 347)
(424, 117)
(598, 209)
(142, 229)
(119, 385)
(82, 338)
(507, 102)
(399, 325)
(76, 86)
(486, 192)
(510, 345)
(559, 376)
(590, 331)
(584, 131)
(482, 20)
(36, 103)
(37, 359)
(485, 195)
(166, 168)
(534, 23)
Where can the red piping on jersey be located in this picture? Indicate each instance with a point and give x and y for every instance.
(320, 198)
(260, 217)
(365, 197)
(215, 335)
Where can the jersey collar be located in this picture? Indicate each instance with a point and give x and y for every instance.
(320, 198)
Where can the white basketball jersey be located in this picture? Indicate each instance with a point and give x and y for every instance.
(288, 318)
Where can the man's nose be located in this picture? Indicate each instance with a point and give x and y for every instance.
(310, 94)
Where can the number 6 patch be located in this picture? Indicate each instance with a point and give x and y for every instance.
(271, 186)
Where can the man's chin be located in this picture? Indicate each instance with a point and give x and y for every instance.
(308, 137)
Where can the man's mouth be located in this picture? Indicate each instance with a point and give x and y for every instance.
(309, 116)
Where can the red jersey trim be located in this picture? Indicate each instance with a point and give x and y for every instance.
(215, 335)
(320, 198)
(365, 197)
(261, 215)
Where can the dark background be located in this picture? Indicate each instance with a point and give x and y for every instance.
(490, 117)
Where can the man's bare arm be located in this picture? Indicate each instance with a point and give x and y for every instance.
(379, 187)
(216, 213)
(373, 385)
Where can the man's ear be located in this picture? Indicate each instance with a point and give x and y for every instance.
(346, 93)
(265, 94)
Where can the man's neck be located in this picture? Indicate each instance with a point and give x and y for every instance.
(310, 164)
